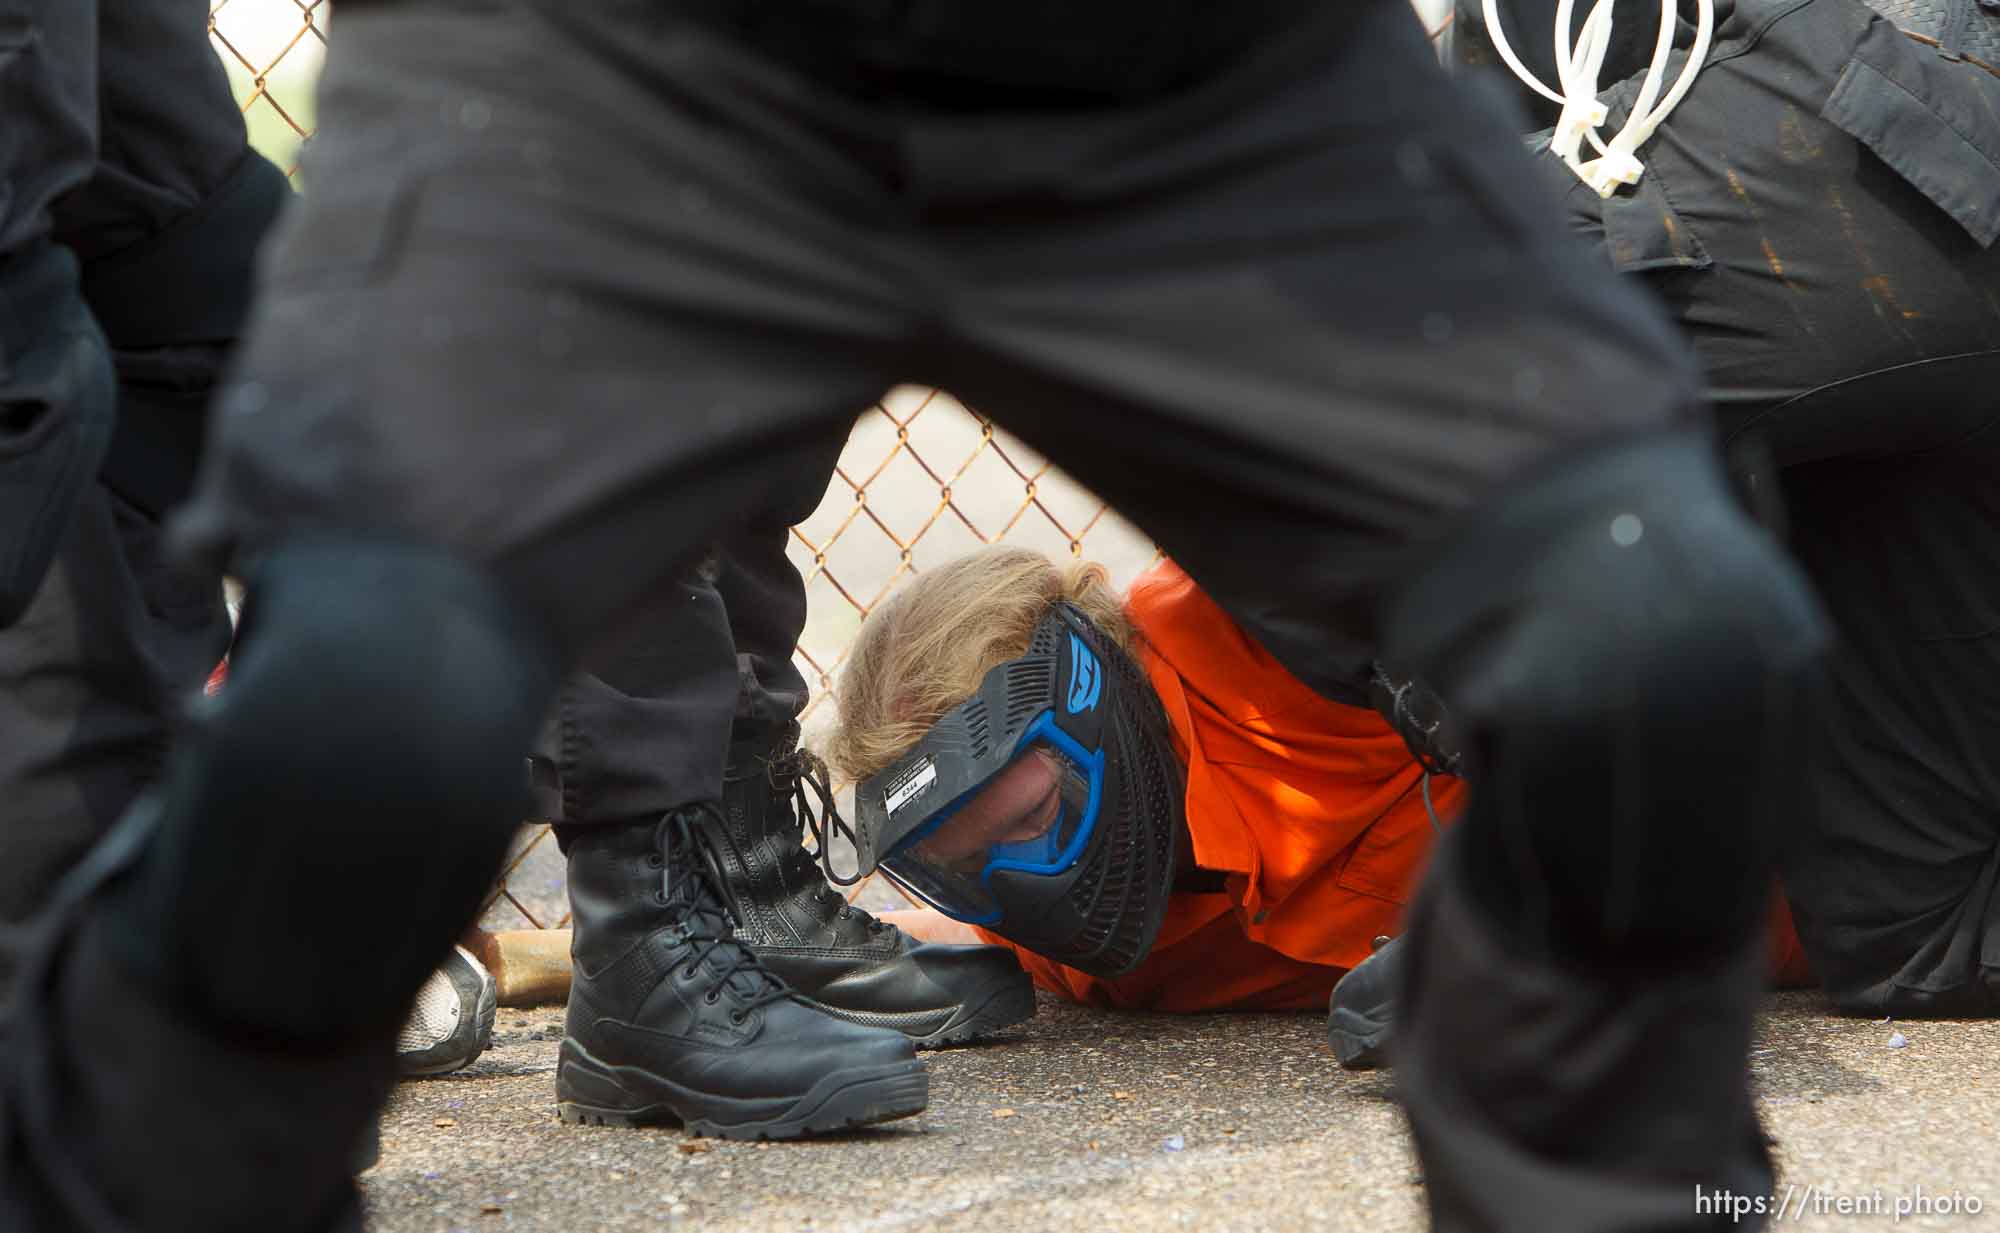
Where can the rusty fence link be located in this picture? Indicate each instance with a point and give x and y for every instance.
(921, 480)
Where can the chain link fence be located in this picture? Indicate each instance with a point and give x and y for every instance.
(272, 51)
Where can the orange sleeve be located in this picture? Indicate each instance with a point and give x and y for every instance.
(1211, 967)
(1790, 969)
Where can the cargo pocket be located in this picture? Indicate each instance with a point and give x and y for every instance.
(1930, 119)
(1642, 231)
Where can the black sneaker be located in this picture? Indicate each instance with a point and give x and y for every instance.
(1361, 1011)
(672, 1021)
(859, 968)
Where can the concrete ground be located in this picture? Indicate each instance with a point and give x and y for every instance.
(1090, 1120)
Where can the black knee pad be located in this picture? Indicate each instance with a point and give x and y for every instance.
(361, 770)
(193, 281)
(172, 307)
(1628, 655)
(417, 679)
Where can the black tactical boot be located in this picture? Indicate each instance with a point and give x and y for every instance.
(1361, 1012)
(856, 966)
(671, 1020)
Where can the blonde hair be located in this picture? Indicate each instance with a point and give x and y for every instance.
(925, 649)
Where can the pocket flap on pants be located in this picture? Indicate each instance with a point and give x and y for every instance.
(1929, 119)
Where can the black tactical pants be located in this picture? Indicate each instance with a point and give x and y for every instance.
(130, 215)
(1818, 214)
(645, 729)
(783, 254)
(124, 157)
(708, 666)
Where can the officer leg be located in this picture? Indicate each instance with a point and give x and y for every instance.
(1416, 422)
(476, 429)
(649, 727)
(1894, 873)
(798, 924)
(165, 228)
(219, 882)
(55, 380)
(766, 599)
(645, 728)
(1846, 319)
(92, 679)
(701, 705)
(1636, 694)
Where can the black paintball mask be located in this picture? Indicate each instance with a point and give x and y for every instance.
(1048, 807)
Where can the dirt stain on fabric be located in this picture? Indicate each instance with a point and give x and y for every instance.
(1673, 231)
(1884, 291)
(1771, 259)
(1878, 286)
(1796, 300)
(1795, 144)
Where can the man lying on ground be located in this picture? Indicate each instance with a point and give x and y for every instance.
(1155, 814)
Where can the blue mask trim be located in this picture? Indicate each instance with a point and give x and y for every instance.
(1026, 856)
(1086, 677)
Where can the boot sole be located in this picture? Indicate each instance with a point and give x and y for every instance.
(1012, 1002)
(1359, 1042)
(591, 1093)
(1015, 1003)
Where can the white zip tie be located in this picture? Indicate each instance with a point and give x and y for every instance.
(1577, 69)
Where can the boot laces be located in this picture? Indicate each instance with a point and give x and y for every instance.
(1424, 738)
(691, 884)
(803, 779)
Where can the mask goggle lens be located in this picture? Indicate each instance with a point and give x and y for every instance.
(1032, 815)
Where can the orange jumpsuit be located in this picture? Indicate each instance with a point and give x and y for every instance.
(1312, 809)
